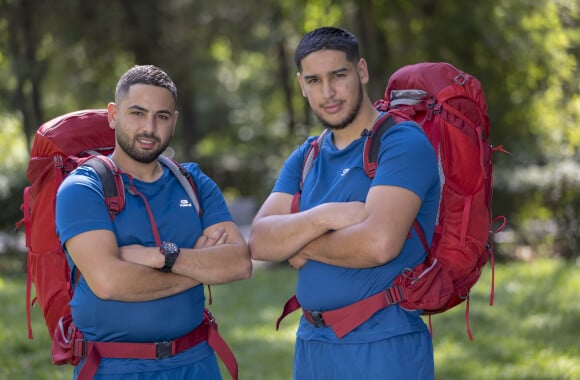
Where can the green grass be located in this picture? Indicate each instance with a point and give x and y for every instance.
(531, 332)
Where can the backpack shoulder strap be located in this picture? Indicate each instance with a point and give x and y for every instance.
(311, 154)
(112, 183)
(371, 157)
(184, 178)
(373, 143)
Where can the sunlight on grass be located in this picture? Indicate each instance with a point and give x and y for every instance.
(530, 333)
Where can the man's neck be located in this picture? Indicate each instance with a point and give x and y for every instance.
(143, 172)
(364, 121)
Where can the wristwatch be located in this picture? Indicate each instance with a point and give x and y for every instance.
(170, 251)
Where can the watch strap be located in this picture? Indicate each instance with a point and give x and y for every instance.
(170, 251)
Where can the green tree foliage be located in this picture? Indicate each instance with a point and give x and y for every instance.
(240, 109)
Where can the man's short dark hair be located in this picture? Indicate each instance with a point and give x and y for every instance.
(144, 74)
(327, 38)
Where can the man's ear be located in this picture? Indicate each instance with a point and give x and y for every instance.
(300, 82)
(174, 122)
(112, 114)
(363, 71)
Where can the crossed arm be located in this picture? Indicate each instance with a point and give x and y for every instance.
(346, 234)
(131, 273)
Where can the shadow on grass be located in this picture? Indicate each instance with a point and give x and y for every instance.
(530, 332)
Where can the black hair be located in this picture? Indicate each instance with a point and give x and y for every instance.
(329, 38)
(144, 74)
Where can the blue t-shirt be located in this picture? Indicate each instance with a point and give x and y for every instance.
(80, 207)
(406, 159)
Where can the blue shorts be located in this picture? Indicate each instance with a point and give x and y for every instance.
(402, 357)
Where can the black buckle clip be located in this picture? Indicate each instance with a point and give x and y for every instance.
(163, 349)
(317, 319)
(80, 348)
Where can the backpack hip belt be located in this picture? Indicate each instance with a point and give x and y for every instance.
(206, 331)
(345, 319)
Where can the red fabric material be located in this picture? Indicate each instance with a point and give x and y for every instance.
(454, 118)
(289, 307)
(64, 343)
(94, 351)
(451, 108)
(57, 146)
(60, 146)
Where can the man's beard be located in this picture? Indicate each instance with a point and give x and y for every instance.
(129, 147)
(349, 118)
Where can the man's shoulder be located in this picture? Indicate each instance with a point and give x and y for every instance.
(82, 176)
(409, 127)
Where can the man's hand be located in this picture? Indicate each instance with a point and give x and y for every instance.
(297, 261)
(152, 257)
(219, 236)
(343, 214)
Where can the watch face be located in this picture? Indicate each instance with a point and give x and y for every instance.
(169, 248)
(170, 251)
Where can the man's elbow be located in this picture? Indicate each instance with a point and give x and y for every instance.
(245, 270)
(257, 252)
(383, 250)
(104, 290)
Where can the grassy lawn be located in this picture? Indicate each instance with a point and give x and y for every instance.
(531, 332)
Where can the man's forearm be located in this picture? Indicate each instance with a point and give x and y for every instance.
(216, 264)
(132, 282)
(352, 247)
(280, 237)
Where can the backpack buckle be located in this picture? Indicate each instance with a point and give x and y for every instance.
(80, 348)
(315, 317)
(394, 295)
(163, 349)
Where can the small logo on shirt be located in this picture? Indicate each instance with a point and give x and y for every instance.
(344, 172)
(185, 203)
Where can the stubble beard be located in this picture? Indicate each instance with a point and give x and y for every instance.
(353, 113)
(129, 146)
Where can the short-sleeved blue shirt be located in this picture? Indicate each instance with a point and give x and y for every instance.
(80, 208)
(406, 159)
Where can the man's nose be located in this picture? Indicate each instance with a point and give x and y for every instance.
(149, 124)
(328, 89)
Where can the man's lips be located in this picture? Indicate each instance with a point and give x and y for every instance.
(332, 108)
(146, 143)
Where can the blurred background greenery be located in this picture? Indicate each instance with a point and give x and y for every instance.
(241, 113)
(240, 109)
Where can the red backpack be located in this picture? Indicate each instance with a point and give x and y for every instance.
(61, 145)
(450, 106)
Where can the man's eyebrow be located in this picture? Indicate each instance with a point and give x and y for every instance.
(143, 109)
(330, 73)
(138, 108)
(337, 71)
